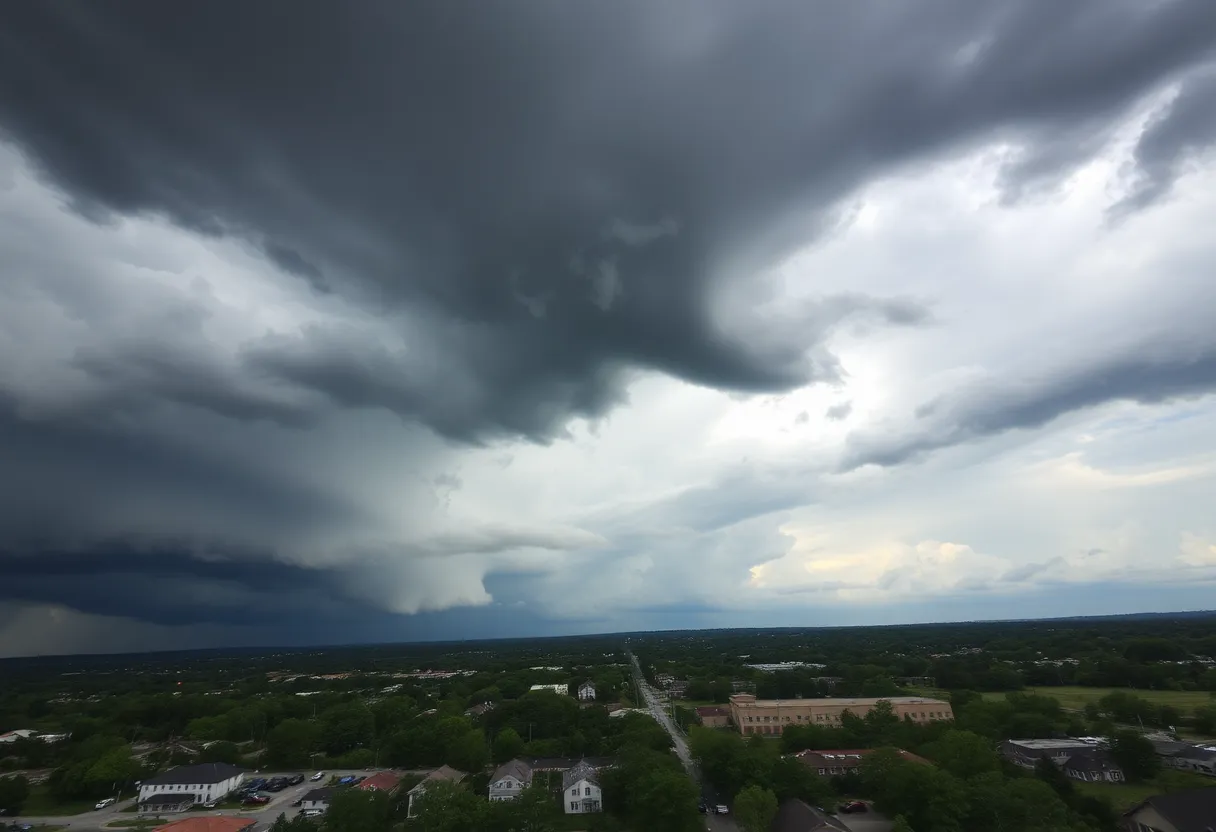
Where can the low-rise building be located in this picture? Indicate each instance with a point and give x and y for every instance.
(581, 793)
(563, 690)
(166, 803)
(1026, 753)
(713, 716)
(443, 773)
(316, 799)
(509, 780)
(204, 782)
(797, 816)
(381, 781)
(1191, 811)
(18, 734)
(1095, 766)
(1200, 759)
(770, 717)
(836, 762)
(586, 692)
(209, 823)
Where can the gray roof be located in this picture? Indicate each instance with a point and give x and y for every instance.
(582, 771)
(1192, 811)
(1169, 748)
(317, 796)
(518, 769)
(441, 773)
(1091, 761)
(796, 816)
(202, 774)
(563, 763)
(1197, 752)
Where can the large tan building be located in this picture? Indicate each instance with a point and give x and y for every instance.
(772, 716)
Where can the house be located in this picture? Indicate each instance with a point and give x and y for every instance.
(205, 782)
(509, 780)
(1192, 811)
(561, 690)
(381, 781)
(713, 716)
(586, 692)
(442, 773)
(769, 717)
(797, 816)
(567, 763)
(1026, 753)
(836, 762)
(480, 709)
(18, 734)
(316, 799)
(211, 823)
(1197, 758)
(581, 791)
(166, 803)
(1094, 766)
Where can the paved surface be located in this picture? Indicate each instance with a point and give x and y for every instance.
(870, 821)
(280, 803)
(657, 707)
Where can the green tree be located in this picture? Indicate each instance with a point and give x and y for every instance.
(507, 745)
(469, 752)
(352, 810)
(448, 807)
(755, 809)
(1135, 755)
(13, 793)
(1204, 721)
(964, 754)
(291, 742)
(901, 824)
(533, 811)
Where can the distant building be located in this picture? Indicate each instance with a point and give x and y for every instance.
(581, 793)
(19, 734)
(562, 690)
(770, 717)
(1197, 758)
(203, 783)
(1093, 766)
(210, 823)
(509, 780)
(480, 709)
(1192, 811)
(443, 773)
(777, 667)
(586, 692)
(836, 762)
(713, 716)
(1026, 753)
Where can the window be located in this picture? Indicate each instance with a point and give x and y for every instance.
(574, 805)
(587, 792)
(823, 771)
(574, 792)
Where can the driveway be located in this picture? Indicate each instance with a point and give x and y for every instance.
(870, 821)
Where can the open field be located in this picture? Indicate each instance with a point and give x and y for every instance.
(1076, 698)
(41, 804)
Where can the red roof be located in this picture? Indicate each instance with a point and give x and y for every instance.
(212, 823)
(384, 781)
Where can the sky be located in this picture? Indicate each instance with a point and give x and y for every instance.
(335, 322)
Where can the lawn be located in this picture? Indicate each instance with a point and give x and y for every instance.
(1121, 796)
(1076, 698)
(40, 803)
(136, 823)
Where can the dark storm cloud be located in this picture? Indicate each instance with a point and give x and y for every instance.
(1150, 375)
(564, 189)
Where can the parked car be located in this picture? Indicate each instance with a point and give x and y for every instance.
(101, 804)
(313, 813)
(256, 800)
(852, 806)
(722, 810)
(347, 780)
(210, 804)
(320, 775)
(296, 779)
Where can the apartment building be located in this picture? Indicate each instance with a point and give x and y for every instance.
(772, 716)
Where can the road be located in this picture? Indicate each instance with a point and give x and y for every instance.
(280, 803)
(713, 823)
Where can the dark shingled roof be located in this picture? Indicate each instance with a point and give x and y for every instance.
(1193, 811)
(202, 774)
(796, 816)
(317, 796)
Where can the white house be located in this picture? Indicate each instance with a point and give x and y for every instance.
(581, 791)
(316, 799)
(562, 690)
(441, 773)
(19, 734)
(203, 783)
(586, 692)
(509, 780)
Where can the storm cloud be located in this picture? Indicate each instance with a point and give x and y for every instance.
(274, 276)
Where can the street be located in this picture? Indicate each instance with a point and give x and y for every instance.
(713, 822)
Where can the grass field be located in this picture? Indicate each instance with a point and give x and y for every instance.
(41, 804)
(1076, 698)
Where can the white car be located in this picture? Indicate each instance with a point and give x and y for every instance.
(320, 775)
(101, 804)
(313, 813)
(722, 810)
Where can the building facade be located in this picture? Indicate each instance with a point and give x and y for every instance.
(1026, 753)
(561, 690)
(442, 773)
(316, 799)
(713, 716)
(581, 793)
(770, 717)
(586, 692)
(509, 780)
(836, 762)
(205, 782)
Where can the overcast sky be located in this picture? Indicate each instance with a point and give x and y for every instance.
(330, 322)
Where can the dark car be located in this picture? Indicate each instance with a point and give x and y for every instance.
(256, 800)
(702, 808)
(852, 807)
(296, 779)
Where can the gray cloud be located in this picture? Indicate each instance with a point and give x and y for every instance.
(839, 412)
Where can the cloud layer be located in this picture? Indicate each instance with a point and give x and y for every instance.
(377, 311)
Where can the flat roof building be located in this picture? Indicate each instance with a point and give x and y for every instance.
(773, 716)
